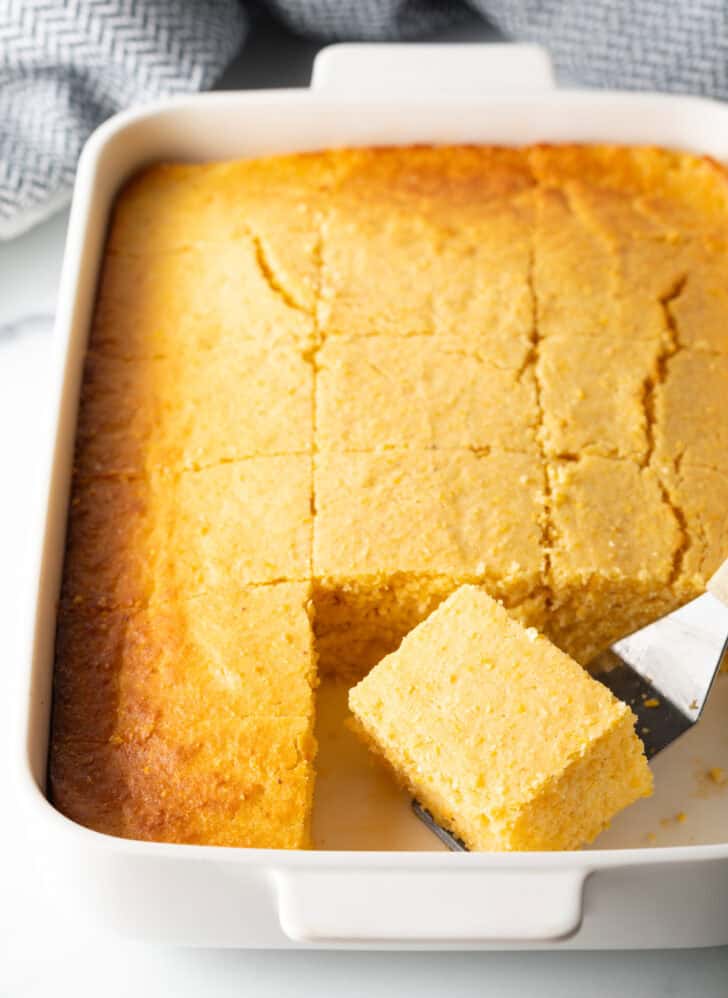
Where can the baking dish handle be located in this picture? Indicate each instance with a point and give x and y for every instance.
(445, 906)
(393, 70)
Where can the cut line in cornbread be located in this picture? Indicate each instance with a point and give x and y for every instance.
(507, 741)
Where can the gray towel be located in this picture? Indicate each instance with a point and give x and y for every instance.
(65, 65)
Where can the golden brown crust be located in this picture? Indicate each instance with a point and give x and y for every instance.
(208, 700)
(506, 366)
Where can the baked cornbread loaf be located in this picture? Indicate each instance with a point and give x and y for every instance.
(369, 377)
(503, 738)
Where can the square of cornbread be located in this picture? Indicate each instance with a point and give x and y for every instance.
(592, 397)
(649, 257)
(580, 283)
(506, 740)
(239, 523)
(191, 410)
(420, 391)
(615, 540)
(247, 782)
(429, 241)
(191, 719)
(450, 512)
(132, 541)
(276, 202)
(158, 304)
(399, 274)
(225, 655)
(396, 531)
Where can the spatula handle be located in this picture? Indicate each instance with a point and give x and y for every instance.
(718, 584)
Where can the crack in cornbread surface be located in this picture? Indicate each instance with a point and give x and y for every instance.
(376, 375)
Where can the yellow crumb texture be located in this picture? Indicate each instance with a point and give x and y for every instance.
(506, 740)
(323, 391)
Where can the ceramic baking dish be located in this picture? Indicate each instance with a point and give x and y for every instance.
(654, 880)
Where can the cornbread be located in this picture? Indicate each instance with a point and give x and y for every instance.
(611, 421)
(477, 518)
(614, 541)
(184, 411)
(135, 541)
(189, 299)
(378, 392)
(507, 741)
(691, 399)
(377, 374)
(188, 722)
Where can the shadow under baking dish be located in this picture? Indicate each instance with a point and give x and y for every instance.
(358, 805)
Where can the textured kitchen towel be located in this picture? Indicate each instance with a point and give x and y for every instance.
(65, 65)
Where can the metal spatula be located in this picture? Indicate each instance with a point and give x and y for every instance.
(664, 671)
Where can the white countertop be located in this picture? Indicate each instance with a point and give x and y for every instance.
(47, 945)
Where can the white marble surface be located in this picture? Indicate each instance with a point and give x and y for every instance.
(47, 945)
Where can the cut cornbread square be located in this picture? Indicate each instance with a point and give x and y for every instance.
(575, 273)
(189, 300)
(430, 242)
(506, 740)
(376, 275)
(247, 782)
(593, 397)
(614, 541)
(133, 541)
(690, 421)
(226, 655)
(277, 202)
(239, 523)
(419, 391)
(117, 530)
(190, 410)
(579, 278)
(401, 275)
(448, 513)
(396, 531)
(650, 259)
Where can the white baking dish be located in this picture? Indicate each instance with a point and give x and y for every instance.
(676, 895)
